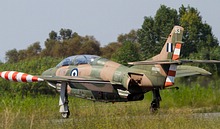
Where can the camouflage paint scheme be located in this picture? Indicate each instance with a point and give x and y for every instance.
(119, 83)
(95, 78)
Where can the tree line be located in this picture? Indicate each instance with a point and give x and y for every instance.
(145, 41)
(140, 44)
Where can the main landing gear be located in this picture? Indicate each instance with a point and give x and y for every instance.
(63, 102)
(155, 104)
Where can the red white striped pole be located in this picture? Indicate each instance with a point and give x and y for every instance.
(19, 77)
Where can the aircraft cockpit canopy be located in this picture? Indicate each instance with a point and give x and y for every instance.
(77, 60)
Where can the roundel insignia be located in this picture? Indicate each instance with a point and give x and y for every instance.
(74, 72)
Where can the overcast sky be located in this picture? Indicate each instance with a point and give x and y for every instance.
(24, 22)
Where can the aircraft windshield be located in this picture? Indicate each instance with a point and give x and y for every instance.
(77, 60)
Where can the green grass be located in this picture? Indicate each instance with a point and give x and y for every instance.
(177, 109)
(191, 96)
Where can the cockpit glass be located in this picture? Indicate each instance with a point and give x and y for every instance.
(77, 60)
(91, 58)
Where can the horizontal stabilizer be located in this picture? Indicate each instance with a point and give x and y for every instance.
(200, 61)
(184, 71)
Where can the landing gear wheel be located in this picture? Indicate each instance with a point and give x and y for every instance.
(153, 110)
(65, 114)
(155, 104)
(154, 107)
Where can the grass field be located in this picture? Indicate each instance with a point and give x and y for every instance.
(177, 111)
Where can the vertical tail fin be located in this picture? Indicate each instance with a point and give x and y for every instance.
(175, 38)
(171, 51)
(172, 47)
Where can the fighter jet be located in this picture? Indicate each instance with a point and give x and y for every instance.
(98, 79)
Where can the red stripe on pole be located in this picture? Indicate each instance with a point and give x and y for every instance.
(6, 75)
(23, 77)
(34, 79)
(14, 75)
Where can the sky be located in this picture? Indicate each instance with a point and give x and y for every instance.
(24, 22)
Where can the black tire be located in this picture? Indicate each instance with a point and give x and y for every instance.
(153, 110)
(65, 115)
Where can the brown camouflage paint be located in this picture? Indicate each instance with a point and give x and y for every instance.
(84, 70)
(62, 71)
(108, 70)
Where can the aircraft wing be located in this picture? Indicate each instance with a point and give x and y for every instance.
(23, 77)
(73, 79)
(90, 83)
(153, 62)
(184, 70)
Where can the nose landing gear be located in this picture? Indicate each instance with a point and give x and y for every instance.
(63, 102)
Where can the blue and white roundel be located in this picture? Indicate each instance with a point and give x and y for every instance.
(74, 72)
